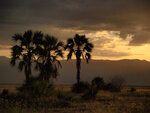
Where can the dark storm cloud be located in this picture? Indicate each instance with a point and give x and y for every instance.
(127, 16)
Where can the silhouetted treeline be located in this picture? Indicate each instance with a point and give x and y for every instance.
(45, 51)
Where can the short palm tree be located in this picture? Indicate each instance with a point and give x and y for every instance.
(23, 52)
(81, 48)
(48, 50)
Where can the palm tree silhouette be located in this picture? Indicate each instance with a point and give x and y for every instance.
(80, 46)
(23, 52)
(48, 49)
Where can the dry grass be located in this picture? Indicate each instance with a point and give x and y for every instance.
(106, 102)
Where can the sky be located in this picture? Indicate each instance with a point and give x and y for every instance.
(119, 29)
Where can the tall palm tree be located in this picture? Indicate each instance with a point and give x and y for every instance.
(81, 48)
(23, 52)
(48, 50)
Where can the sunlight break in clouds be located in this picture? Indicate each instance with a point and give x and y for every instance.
(109, 45)
(5, 50)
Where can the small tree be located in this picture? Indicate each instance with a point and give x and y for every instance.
(117, 81)
(98, 82)
(115, 84)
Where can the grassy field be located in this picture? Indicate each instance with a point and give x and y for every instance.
(106, 102)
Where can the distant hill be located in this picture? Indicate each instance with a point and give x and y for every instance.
(9, 74)
(135, 72)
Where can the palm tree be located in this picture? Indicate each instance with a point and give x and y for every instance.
(23, 52)
(80, 47)
(48, 50)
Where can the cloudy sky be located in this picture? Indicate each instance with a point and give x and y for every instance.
(119, 29)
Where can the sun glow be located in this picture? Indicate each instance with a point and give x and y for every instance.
(109, 45)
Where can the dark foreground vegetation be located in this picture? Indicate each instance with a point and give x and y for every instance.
(62, 99)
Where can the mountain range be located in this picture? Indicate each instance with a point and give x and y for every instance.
(134, 72)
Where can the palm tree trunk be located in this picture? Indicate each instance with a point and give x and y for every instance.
(27, 78)
(27, 74)
(78, 70)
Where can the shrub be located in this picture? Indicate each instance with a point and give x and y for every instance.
(115, 89)
(112, 88)
(36, 89)
(108, 86)
(132, 90)
(117, 81)
(98, 82)
(91, 92)
(81, 87)
(64, 95)
(4, 93)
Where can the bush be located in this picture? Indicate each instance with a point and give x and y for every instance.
(36, 89)
(117, 81)
(108, 86)
(98, 82)
(115, 89)
(132, 90)
(91, 92)
(64, 95)
(112, 88)
(4, 93)
(81, 87)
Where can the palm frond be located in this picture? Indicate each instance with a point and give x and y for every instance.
(70, 54)
(88, 47)
(38, 50)
(27, 36)
(25, 57)
(13, 60)
(17, 37)
(59, 63)
(82, 55)
(60, 44)
(83, 39)
(51, 41)
(55, 71)
(16, 50)
(77, 40)
(59, 53)
(70, 41)
(37, 38)
(88, 57)
(21, 65)
(70, 44)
